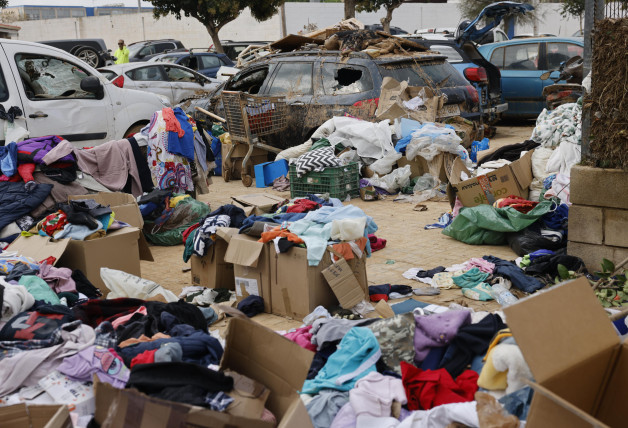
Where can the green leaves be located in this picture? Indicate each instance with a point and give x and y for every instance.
(563, 272)
(608, 266)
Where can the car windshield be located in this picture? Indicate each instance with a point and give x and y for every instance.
(433, 73)
(110, 75)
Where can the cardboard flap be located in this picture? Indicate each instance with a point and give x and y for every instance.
(263, 201)
(39, 247)
(145, 252)
(522, 170)
(344, 284)
(258, 352)
(569, 326)
(243, 250)
(225, 233)
(453, 173)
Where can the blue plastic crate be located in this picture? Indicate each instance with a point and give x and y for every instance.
(267, 172)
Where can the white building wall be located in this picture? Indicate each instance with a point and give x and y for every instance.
(133, 28)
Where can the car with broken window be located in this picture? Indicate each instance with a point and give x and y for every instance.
(173, 81)
(320, 84)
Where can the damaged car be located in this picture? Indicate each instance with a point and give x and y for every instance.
(320, 84)
(173, 81)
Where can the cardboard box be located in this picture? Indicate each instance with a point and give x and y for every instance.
(344, 284)
(579, 363)
(437, 166)
(251, 268)
(297, 288)
(394, 93)
(258, 203)
(513, 179)
(251, 350)
(122, 204)
(35, 416)
(212, 270)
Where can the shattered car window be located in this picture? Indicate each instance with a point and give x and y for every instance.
(432, 74)
(339, 79)
(293, 78)
(46, 77)
(249, 81)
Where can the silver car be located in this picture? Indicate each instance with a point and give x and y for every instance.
(171, 80)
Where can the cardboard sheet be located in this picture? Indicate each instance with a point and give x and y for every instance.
(344, 284)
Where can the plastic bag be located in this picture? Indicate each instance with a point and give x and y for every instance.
(394, 181)
(478, 146)
(348, 157)
(385, 164)
(425, 182)
(187, 213)
(530, 240)
(485, 224)
(124, 284)
(430, 140)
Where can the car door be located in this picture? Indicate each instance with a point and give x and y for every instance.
(294, 81)
(184, 83)
(208, 65)
(53, 101)
(152, 78)
(555, 54)
(522, 87)
(9, 97)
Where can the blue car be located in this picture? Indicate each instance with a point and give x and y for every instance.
(521, 62)
(206, 63)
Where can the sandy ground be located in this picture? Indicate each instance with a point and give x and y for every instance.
(408, 243)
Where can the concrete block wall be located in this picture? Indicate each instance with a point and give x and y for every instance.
(598, 218)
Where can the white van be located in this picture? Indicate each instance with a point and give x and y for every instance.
(61, 95)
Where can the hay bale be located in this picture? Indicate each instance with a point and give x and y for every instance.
(609, 94)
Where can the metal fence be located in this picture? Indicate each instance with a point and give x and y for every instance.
(616, 9)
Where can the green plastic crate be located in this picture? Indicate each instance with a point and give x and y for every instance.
(338, 181)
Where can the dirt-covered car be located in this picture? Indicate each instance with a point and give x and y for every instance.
(321, 84)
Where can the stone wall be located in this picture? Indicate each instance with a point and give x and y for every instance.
(598, 218)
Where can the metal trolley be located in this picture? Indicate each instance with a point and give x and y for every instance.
(250, 117)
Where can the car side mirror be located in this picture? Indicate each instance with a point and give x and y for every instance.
(200, 81)
(92, 85)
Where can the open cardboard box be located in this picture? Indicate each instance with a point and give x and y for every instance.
(251, 350)
(35, 416)
(251, 268)
(297, 289)
(513, 179)
(576, 356)
(437, 166)
(257, 203)
(120, 249)
(212, 270)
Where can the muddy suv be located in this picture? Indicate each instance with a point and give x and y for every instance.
(321, 84)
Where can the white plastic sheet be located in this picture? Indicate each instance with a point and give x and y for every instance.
(371, 140)
(124, 284)
(394, 181)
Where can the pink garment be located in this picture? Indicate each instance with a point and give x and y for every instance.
(59, 279)
(121, 320)
(375, 393)
(345, 418)
(110, 163)
(484, 265)
(302, 337)
(457, 206)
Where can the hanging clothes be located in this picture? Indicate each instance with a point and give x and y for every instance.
(168, 170)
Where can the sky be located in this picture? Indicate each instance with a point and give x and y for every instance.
(86, 3)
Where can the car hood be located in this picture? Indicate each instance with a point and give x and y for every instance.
(493, 14)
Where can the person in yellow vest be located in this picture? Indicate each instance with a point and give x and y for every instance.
(122, 53)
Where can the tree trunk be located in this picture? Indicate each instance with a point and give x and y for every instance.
(213, 33)
(349, 9)
(387, 19)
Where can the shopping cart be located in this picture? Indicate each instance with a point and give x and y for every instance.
(250, 117)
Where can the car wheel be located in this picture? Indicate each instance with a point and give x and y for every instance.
(88, 55)
(134, 130)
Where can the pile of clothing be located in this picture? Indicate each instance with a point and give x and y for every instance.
(79, 219)
(161, 349)
(418, 368)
